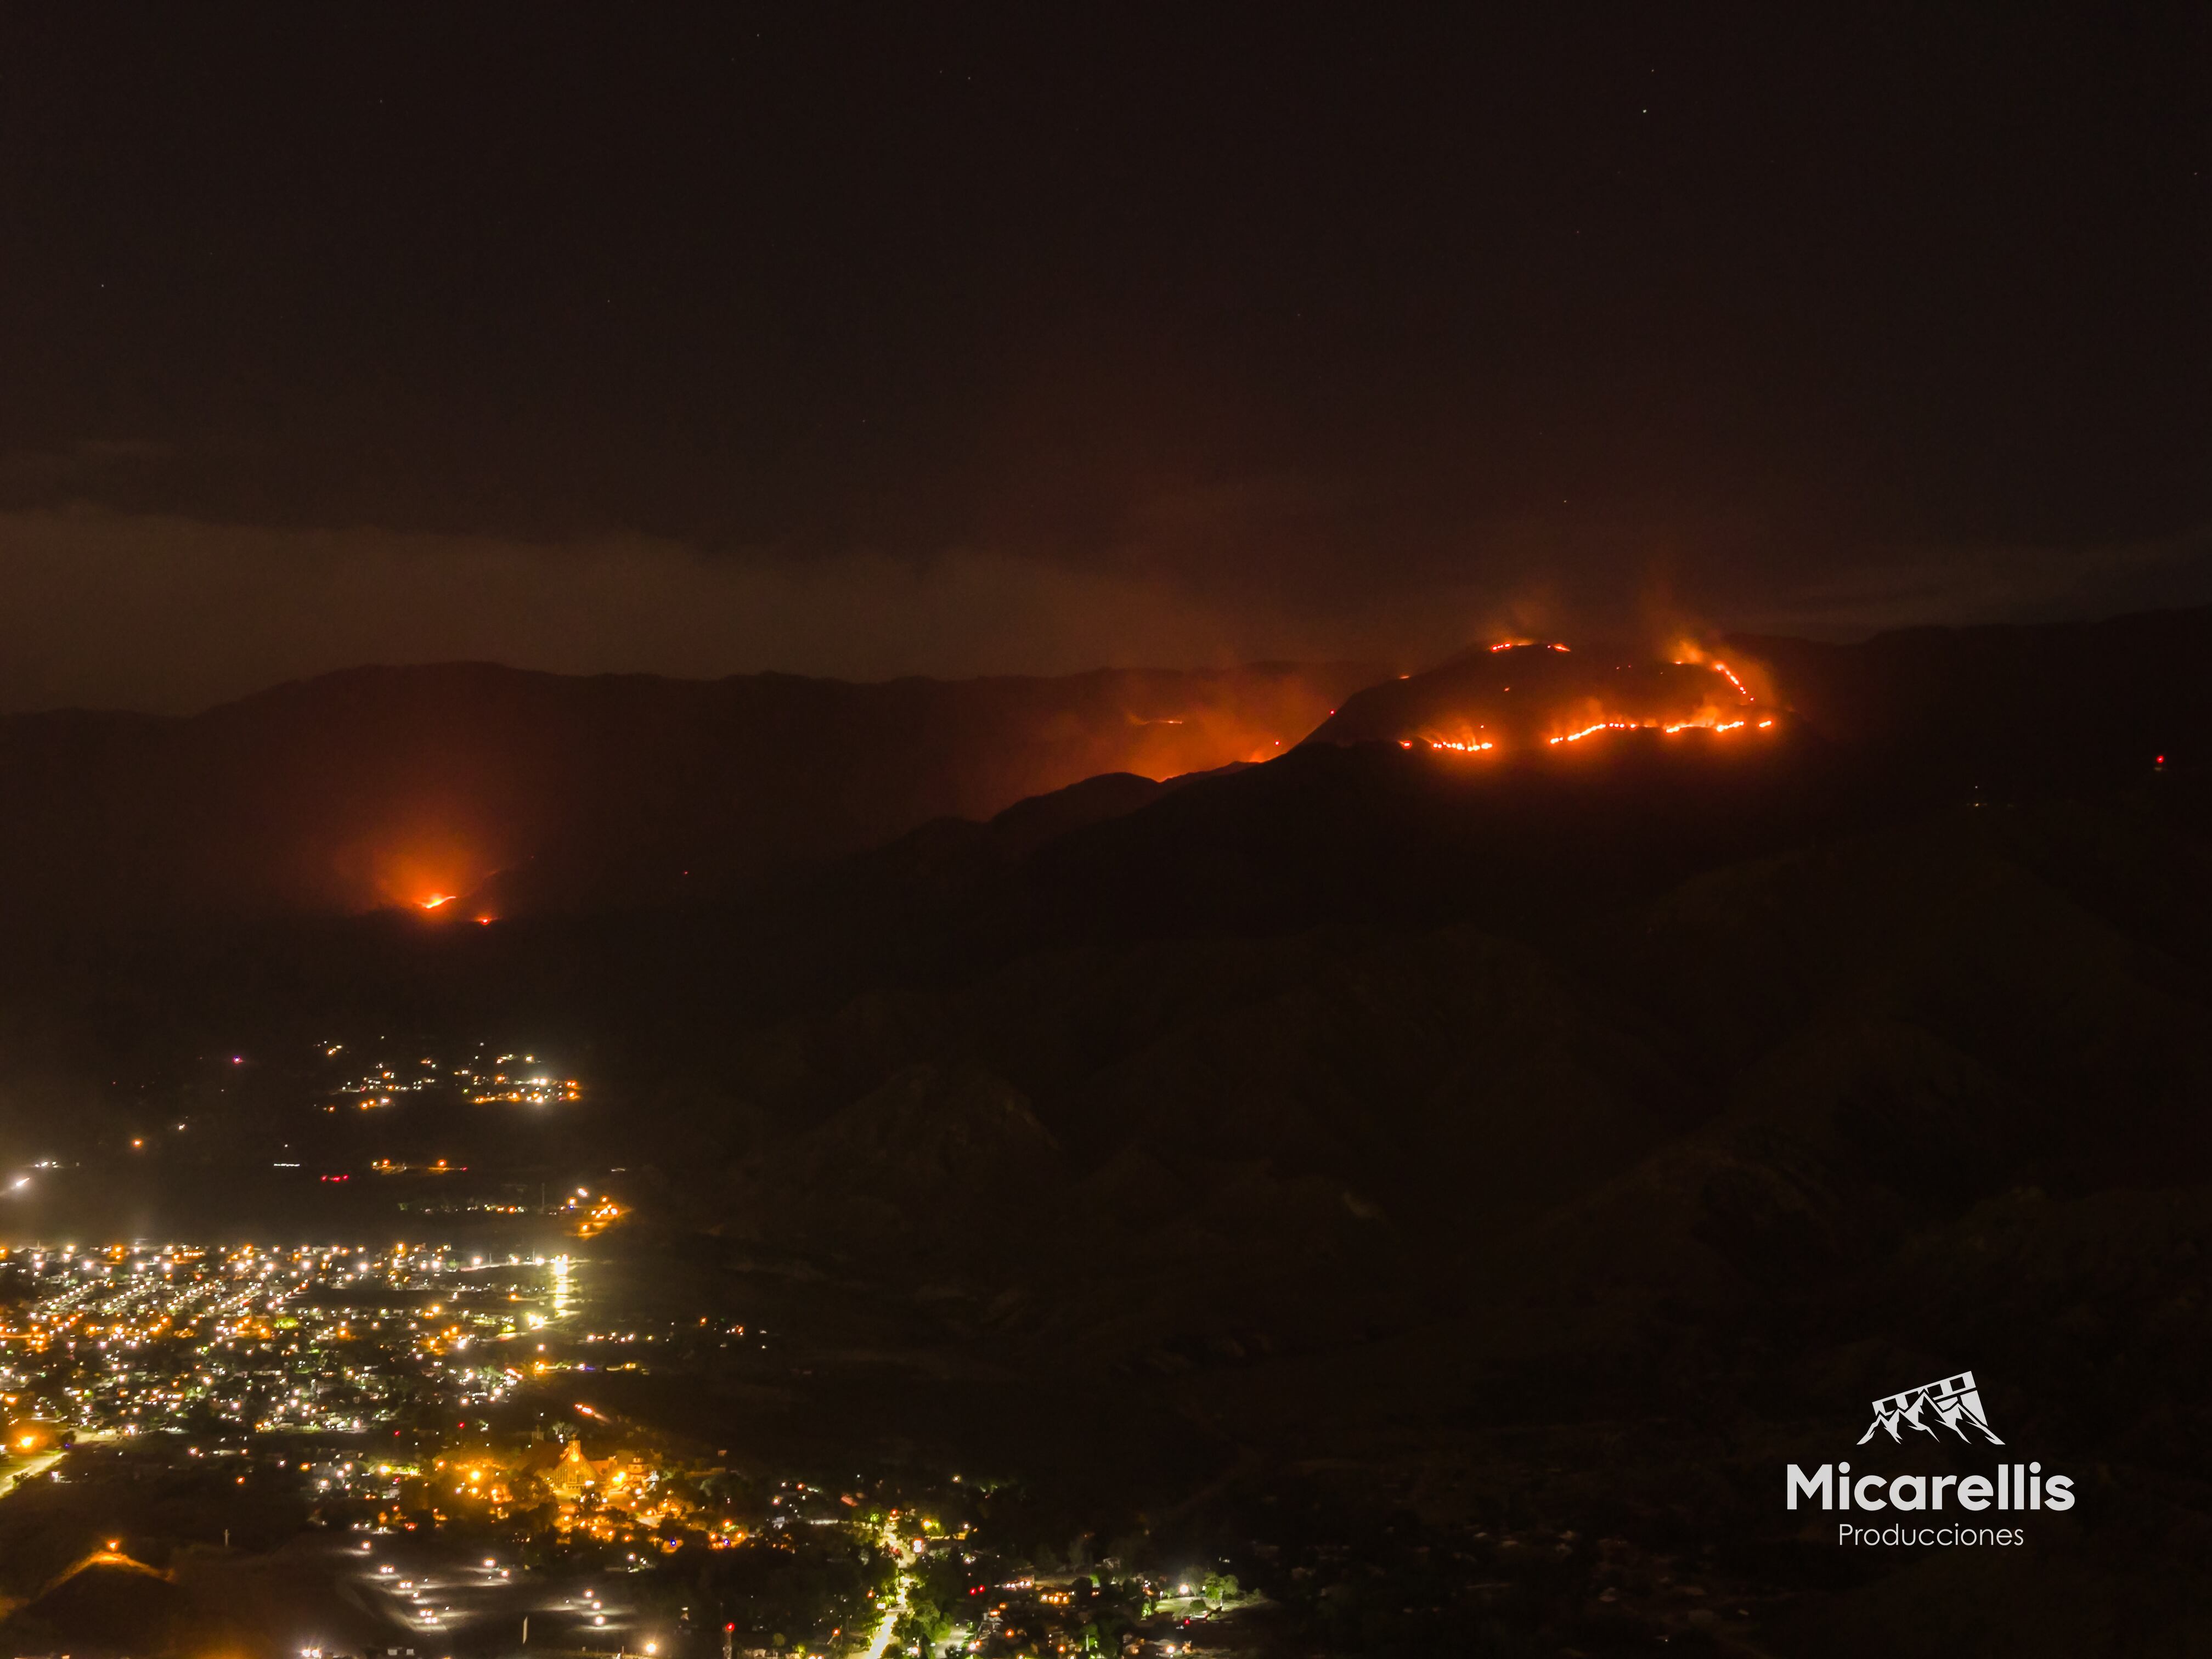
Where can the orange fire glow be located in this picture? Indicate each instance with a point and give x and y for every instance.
(1719, 716)
(1719, 712)
(1520, 695)
(1188, 731)
(1689, 653)
(1603, 725)
(1699, 659)
(422, 868)
(1709, 719)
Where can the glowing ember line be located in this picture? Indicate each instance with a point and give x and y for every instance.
(1722, 668)
(435, 900)
(1602, 726)
(1716, 727)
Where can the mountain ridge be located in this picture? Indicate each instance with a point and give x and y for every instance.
(377, 786)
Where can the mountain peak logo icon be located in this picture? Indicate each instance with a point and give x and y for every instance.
(1951, 1402)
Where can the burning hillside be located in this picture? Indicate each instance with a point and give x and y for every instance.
(1518, 695)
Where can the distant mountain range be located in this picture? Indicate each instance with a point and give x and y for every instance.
(500, 791)
(517, 790)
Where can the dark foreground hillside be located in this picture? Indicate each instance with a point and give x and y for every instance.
(1531, 1231)
(1596, 1232)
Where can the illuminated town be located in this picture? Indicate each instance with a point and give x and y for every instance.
(411, 1407)
(483, 1080)
(132, 1340)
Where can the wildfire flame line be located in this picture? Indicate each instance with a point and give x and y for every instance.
(1708, 721)
(1698, 660)
(1602, 726)
(1714, 726)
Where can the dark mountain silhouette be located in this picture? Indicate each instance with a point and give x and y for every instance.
(526, 791)
(519, 793)
(2009, 707)
(882, 1173)
(113, 1605)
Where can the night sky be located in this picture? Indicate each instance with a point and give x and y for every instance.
(965, 339)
